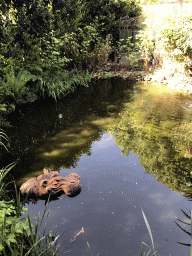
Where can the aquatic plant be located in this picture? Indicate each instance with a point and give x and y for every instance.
(189, 217)
(90, 250)
(17, 236)
(151, 237)
(142, 253)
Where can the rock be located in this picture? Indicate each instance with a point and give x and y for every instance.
(51, 183)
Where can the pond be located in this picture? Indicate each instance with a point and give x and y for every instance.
(124, 141)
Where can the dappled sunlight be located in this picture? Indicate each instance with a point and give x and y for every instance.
(74, 139)
(58, 134)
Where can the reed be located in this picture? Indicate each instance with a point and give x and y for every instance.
(142, 253)
(189, 217)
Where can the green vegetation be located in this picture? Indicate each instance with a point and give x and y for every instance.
(51, 47)
(151, 237)
(189, 217)
(166, 42)
(176, 38)
(17, 236)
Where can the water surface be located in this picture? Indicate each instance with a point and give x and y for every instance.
(118, 137)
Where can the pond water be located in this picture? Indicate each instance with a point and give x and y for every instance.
(118, 137)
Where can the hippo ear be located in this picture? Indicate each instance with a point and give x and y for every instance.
(45, 171)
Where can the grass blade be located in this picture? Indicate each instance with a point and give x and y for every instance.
(186, 215)
(183, 229)
(191, 233)
(149, 229)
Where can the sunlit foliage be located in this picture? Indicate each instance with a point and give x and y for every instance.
(50, 38)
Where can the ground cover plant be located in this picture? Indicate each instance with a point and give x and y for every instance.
(17, 235)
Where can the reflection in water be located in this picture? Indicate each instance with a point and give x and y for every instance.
(57, 135)
(149, 126)
(72, 136)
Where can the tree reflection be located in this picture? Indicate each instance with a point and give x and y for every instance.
(146, 127)
(59, 134)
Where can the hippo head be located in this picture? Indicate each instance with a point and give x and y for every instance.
(52, 183)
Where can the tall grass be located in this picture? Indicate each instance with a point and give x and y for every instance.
(29, 242)
(3, 173)
(18, 238)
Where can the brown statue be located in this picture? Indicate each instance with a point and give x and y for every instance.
(51, 183)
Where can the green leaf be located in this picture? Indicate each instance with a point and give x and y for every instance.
(55, 53)
(12, 237)
(18, 231)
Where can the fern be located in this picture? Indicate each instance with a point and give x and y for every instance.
(4, 123)
(3, 107)
(14, 85)
(54, 82)
(4, 137)
(5, 90)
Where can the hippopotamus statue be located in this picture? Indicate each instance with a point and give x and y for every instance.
(51, 183)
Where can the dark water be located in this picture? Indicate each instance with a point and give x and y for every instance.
(111, 137)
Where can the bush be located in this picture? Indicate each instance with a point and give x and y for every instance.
(176, 38)
(41, 41)
(169, 40)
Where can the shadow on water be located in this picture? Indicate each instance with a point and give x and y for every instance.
(120, 139)
(59, 133)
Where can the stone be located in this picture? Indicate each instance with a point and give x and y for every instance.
(51, 183)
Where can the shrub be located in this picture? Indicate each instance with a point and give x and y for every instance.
(169, 39)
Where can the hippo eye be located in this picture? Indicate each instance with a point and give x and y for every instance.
(57, 180)
(44, 183)
(73, 181)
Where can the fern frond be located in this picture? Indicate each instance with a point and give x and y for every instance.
(4, 123)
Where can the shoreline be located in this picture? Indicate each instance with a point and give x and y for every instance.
(178, 82)
(126, 75)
